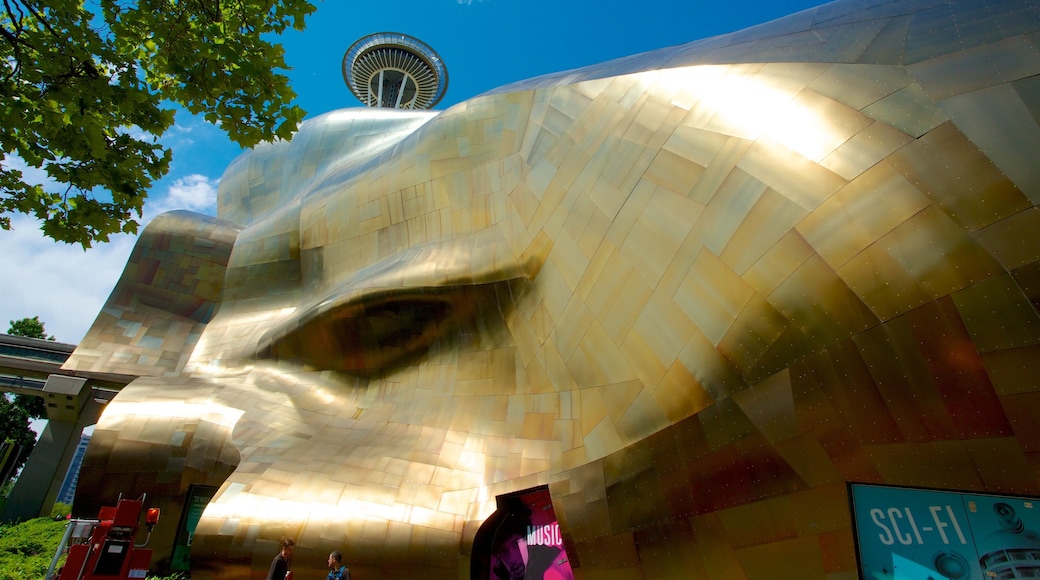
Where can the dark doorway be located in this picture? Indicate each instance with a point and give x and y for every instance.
(521, 541)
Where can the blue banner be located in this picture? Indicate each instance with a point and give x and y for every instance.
(913, 534)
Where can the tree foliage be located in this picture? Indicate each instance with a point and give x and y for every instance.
(86, 90)
(17, 412)
(15, 432)
(29, 328)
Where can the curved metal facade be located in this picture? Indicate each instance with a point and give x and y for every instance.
(695, 292)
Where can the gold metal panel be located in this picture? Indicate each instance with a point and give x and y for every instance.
(778, 263)
(951, 262)
(1029, 91)
(890, 44)
(695, 292)
(858, 400)
(883, 283)
(997, 315)
(790, 174)
(918, 465)
(727, 209)
(1011, 471)
(719, 557)
(1014, 371)
(168, 292)
(710, 368)
(623, 312)
(772, 216)
(1019, 411)
(569, 259)
(598, 360)
(573, 324)
(1014, 124)
(932, 33)
(669, 563)
(762, 561)
(659, 230)
(664, 327)
(643, 418)
(836, 311)
(966, 395)
(909, 109)
(847, 43)
(730, 151)
(712, 296)
(796, 47)
(977, 68)
(833, 125)
(859, 85)
(865, 149)
(751, 340)
(771, 407)
(762, 522)
(838, 552)
(602, 281)
(861, 213)
(809, 459)
(1013, 241)
(679, 394)
(697, 145)
(951, 170)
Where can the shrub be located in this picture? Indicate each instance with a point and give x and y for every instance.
(26, 549)
(60, 511)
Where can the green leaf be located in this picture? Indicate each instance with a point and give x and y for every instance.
(81, 76)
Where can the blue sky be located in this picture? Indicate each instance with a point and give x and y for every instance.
(484, 44)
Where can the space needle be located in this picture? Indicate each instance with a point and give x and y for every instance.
(395, 71)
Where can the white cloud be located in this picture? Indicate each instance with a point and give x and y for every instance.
(62, 284)
(139, 134)
(192, 192)
(32, 175)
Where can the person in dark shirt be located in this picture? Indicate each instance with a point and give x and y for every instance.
(337, 571)
(280, 564)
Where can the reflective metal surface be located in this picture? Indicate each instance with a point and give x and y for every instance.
(694, 291)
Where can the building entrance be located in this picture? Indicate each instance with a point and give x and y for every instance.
(521, 541)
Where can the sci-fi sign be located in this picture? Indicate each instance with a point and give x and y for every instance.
(913, 534)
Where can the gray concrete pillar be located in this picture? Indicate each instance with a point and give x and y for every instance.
(70, 408)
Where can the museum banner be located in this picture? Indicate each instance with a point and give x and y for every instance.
(919, 534)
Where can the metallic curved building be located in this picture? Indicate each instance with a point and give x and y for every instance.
(694, 294)
(395, 71)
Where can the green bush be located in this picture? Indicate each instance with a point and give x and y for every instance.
(61, 510)
(26, 549)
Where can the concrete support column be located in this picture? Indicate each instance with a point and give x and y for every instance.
(70, 409)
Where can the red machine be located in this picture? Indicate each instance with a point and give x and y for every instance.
(104, 549)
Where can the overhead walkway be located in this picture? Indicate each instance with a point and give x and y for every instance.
(26, 363)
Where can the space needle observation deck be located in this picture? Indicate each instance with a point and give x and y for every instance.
(395, 71)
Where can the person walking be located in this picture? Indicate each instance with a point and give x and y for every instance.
(280, 565)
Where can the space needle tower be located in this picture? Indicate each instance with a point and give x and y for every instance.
(395, 71)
